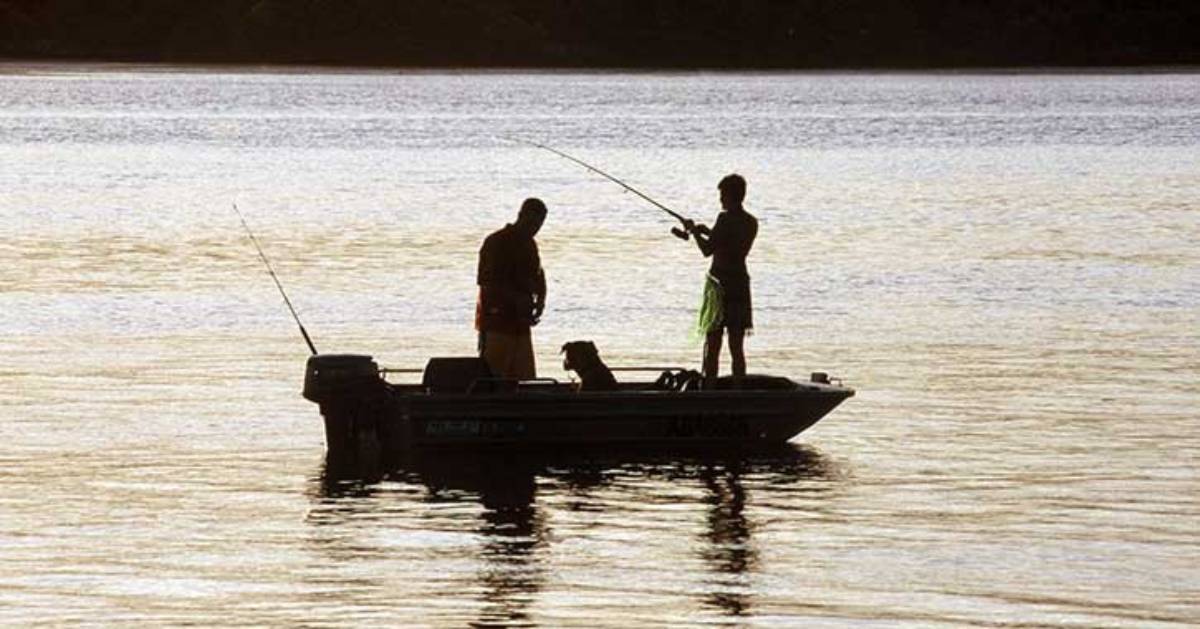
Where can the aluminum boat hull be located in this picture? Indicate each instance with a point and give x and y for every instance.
(383, 418)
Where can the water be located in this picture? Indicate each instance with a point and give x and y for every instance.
(1004, 266)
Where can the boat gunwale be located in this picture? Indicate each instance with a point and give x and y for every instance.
(563, 391)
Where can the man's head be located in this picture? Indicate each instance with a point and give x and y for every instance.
(733, 191)
(531, 216)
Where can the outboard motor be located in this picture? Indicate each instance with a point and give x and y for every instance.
(327, 376)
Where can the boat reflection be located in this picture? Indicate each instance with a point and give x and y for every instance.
(729, 551)
(512, 525)
(508, 494)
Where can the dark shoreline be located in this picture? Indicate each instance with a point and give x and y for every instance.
(8, 65)
(622, 35)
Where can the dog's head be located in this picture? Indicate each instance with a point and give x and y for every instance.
(579, 355)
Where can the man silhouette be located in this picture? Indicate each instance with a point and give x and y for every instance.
(512, 294)
(726, 305)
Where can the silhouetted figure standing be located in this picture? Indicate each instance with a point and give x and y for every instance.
(512, 294)
(726, 305)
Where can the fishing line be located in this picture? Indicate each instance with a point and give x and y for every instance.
(271, 270)
(679, 233)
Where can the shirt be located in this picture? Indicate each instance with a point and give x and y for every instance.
(510, 274)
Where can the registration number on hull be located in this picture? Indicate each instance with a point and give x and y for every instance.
(700, 426)
(708, 425)
(473, 428)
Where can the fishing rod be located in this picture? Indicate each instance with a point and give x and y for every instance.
(679, 233)
(270, 270)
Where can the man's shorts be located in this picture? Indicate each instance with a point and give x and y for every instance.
(508, 355)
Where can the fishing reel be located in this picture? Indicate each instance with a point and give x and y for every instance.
(683, 233)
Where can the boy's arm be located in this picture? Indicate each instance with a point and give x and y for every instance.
(703, 236)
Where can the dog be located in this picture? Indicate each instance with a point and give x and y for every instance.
(583, 358)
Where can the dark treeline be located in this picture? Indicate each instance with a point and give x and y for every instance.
(612, 33)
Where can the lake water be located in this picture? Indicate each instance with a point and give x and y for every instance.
(1006, 267)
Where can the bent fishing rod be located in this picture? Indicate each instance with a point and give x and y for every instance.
(679, 233)
(270, 270)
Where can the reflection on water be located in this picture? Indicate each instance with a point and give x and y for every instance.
(730, 554)
(510, 525)
(514, 496)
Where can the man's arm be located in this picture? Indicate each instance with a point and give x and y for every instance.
(486, 273)
(539, 295)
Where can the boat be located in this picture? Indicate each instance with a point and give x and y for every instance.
(459, 403)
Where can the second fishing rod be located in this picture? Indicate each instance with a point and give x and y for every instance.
(676, 231)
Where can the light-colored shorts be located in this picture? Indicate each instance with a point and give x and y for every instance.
(508, 355)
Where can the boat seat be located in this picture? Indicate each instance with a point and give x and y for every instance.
(454, 374)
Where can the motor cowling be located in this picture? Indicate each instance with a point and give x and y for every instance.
(327, 376)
